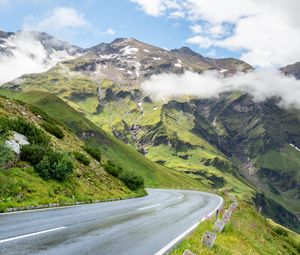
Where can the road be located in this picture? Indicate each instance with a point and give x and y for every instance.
(140, 226)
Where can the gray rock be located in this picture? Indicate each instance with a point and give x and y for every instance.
(16, 142)
(208, 239)
(219, 225)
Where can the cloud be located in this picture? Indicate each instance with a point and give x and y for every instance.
(260, 84)
(4, 3)
(27, 55)
(56, 20)
(265, 33)
(201, 41)
(159, 7)
(109, 32)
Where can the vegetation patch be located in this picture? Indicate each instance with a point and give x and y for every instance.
(94, 152)
(53, 129)
(216, 181)
(131, 180)
(246, 233)
(34, 134)
(81, 158)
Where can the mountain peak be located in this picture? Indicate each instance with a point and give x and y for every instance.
(186, 51)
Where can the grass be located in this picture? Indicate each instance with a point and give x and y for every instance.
(285, 160)
(246, 233)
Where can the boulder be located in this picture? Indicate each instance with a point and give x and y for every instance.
(16, 142)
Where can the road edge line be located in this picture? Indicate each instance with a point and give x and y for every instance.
(179, 238)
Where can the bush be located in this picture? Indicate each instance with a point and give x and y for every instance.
(4, 125)
(130, 179)
(6, 155)
(35, 135)
(55, 165)
(53, 129)
(94, 152)
(81, 158)
(113, 169)
(49, 164)
(34, 153)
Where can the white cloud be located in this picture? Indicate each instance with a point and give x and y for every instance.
(196, 29)
(109, 32)
(153, 7)
(176, 15)
(28, 55)
(267, 32)
(201, 41)
(56, 20)
(260, 84)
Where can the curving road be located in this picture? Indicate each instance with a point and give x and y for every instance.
(142, 226)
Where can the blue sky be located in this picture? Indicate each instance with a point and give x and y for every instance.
(122, 16)
(264, 33)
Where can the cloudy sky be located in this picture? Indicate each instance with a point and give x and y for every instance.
(262, 32)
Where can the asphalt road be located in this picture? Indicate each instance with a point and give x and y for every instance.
(141, 226)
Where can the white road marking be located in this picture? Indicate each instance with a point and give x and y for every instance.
(148, 207)
(170, 245)
(28, 235)
(295, 147)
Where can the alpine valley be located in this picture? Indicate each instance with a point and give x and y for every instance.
(229, 143)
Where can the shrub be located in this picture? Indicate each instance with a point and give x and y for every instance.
(49, 164)
(6, 154)
(4, 125)
(55, 165)
(94, 152)
(35, 135)
(113, 169)
(34, 153)
(81, 158)
(53, 129)
(130, 179)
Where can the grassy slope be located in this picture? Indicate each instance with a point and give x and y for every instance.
(285, 160)
(154, 174)
(22, 186)
(246, 233)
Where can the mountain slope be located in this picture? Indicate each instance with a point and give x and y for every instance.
(22, 185)
(111, 148)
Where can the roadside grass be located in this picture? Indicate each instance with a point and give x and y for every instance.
(246, 233)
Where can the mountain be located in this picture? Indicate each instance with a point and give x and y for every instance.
(293, 69)
(229, 143)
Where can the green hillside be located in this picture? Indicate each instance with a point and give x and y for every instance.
(154, 174)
